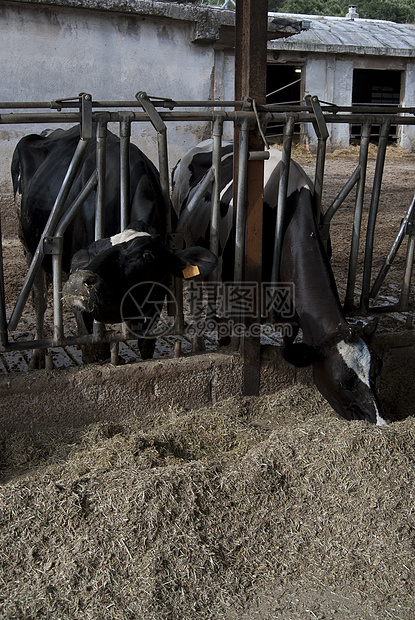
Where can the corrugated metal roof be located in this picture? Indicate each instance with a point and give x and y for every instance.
(343, 35)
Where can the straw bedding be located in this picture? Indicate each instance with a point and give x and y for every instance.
(268, 508)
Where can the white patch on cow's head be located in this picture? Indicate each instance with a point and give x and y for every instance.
(127, 235)
(357, 357)
(379, 420)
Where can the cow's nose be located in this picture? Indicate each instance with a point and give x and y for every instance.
(84, 278)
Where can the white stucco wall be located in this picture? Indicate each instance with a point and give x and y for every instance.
(52, 52)
(407, 132)
(330, 78)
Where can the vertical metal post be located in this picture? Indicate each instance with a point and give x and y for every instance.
(322, 133)
(319, 175)
(161, 129)
(164, 172)
(282, 195)
(250, 82)
(403, 302)
(101, 170)
(3, 320)
(215, 216)
(125, 135)
(374, 203)
(57, 296)
(241, 202)
(216, 188)
(101, 155)
(357, 220)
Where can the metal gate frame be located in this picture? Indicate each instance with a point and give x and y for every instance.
(84, 111)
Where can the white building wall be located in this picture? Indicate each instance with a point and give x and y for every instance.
(330, 77)
(314, 76)
(51, 53)
(407, 132)
(342, 95)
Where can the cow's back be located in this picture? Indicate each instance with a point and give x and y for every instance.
(40, 163)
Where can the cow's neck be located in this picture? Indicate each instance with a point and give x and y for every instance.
(305, 263)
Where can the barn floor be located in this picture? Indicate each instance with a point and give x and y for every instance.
(153, 490)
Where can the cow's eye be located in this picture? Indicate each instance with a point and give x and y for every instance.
(147, 255)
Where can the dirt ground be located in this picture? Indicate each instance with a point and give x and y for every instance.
(268, 508)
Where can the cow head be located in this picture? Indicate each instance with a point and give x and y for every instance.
(104, 272)
(345, 370)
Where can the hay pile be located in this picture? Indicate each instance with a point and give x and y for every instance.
(252, 508)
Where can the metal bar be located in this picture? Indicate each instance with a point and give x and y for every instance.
(322, 133)
(374, 203)
(241, 203)
(3, 320)
(206, 115)
(72, 210)
(125, 136)
(101, 163)
(73, 102)
(57, 297)
(403, 303)
(48, 231)
(23, 345)
(282, 195)
(216, 189)
(357, 219)
(196, 198)
(57, 258)
(393, 251)
(319, 175)
(337, 202)
(86, 116)
(341, 196)
(161, 129)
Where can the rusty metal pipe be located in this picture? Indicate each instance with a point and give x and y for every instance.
(357, 219)
(373, 210)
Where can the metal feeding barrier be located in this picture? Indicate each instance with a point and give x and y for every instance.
(245, 115)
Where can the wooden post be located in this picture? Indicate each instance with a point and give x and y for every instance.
(250, 82)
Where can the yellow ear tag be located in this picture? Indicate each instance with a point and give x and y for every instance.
(190, 271)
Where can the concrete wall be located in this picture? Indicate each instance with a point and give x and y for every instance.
(51, 52)
(48, 400)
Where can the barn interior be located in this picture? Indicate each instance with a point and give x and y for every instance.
(188, 488)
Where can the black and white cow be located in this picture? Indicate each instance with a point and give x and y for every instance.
(104, 270)
(344, 367)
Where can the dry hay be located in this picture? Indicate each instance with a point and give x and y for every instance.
(251, 508)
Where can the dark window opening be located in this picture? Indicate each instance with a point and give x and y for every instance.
(283, 86)
(373, 87)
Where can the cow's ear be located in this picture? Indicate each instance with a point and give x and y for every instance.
(300, 354)
(194, 263)
(82, 258)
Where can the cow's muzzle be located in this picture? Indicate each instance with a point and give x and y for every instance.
(84, 291)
